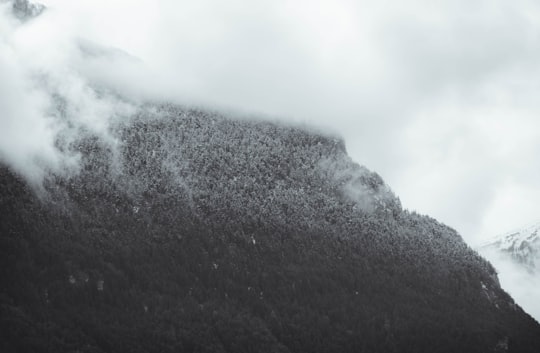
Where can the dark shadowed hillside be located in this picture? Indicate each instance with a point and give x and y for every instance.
(185, 231)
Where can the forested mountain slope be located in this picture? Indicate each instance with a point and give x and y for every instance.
(187, 231)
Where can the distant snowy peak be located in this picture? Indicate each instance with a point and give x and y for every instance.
(521, 245)
(95, 51)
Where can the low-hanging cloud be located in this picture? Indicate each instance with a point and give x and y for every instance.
(439, 98)
(523, 286)
(49, 92)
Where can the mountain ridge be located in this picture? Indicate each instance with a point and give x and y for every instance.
(522, 245)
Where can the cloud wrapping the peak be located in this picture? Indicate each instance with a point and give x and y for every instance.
(440, 98)
(48, 92)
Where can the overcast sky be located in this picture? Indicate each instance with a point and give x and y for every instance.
(439, 97)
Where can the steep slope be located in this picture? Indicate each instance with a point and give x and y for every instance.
(188, 231)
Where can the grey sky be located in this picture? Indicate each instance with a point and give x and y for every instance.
(439, 97)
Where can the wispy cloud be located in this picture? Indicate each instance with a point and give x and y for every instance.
(522, 285)
(439, 97)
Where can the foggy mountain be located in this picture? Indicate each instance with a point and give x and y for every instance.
(522, 246)
(516, 256)
(160, 227)
(186, 230)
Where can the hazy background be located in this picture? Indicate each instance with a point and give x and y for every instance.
(439, 97)
(522, 285)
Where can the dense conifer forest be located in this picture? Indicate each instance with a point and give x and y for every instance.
(187, 231)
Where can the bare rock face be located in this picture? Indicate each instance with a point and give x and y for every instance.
(25, 10)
